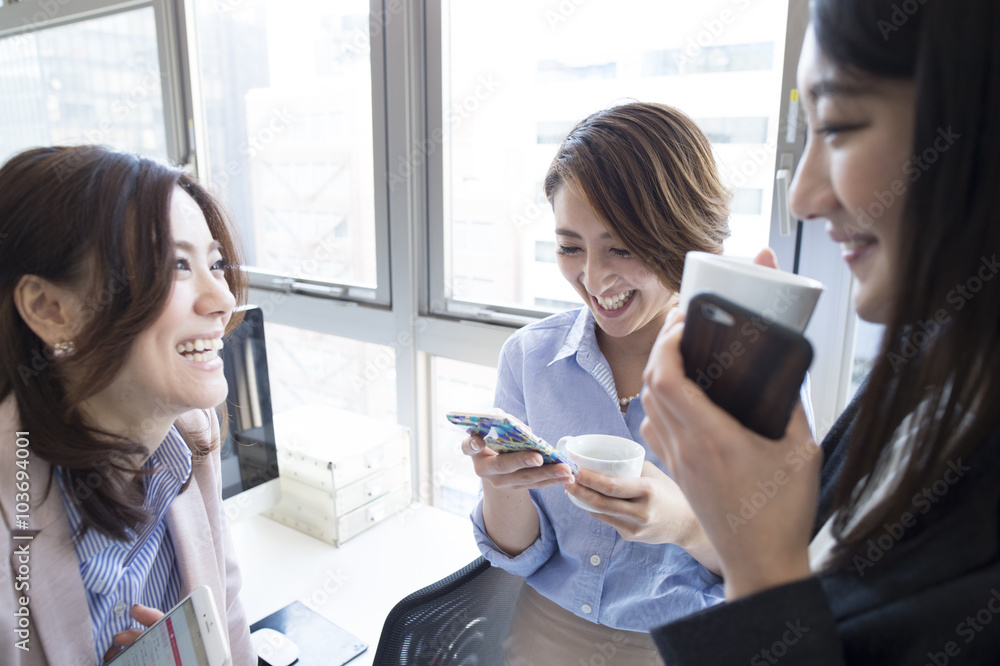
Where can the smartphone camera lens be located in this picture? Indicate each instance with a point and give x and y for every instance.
(717, 314)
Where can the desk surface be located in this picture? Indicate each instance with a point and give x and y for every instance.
(357, 584)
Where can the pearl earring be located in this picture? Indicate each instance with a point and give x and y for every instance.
(63, 349)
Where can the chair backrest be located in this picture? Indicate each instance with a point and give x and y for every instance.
(461, 619)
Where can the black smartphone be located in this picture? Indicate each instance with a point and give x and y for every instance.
(749, 365)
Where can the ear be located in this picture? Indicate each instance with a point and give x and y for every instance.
(53, 312)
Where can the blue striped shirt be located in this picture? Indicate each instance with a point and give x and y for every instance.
(143, 569)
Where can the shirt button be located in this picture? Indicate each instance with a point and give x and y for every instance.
(120, 607)
(586, 608)
(595, 559)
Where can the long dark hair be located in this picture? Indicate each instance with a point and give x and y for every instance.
(940, 357)
(98, 221)
(648, 173)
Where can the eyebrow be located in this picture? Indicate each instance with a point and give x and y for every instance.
(573, 234)
(831, 88)
(188, 247)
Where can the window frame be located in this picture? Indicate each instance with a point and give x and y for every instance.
(410, 309)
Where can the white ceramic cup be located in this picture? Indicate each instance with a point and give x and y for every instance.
(605, 454)
(786, 298)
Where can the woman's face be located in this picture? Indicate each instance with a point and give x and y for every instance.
(174, 365)
(622, 293)
(856, 170)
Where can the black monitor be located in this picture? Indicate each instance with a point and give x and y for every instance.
(249, 452)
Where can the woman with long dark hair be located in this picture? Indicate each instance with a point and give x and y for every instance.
(118, 281)
(890, 552)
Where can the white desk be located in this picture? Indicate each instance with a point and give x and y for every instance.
(357, 584)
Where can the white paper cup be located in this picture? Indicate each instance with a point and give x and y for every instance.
(786, 298)
(605, 454)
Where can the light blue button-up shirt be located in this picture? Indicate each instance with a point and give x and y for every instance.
(143, 569)
(553, 377)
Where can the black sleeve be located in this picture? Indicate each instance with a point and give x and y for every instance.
(791, 624)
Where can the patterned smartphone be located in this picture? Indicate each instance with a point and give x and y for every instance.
(505, 433)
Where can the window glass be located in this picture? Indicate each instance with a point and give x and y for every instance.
(457, 386)
(310, 368)
(94, 81)
(511, 93)
(287, 100)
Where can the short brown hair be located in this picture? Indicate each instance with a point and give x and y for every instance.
(649, 175)
(99, 221)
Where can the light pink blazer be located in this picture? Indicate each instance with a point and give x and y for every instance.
(59, 622)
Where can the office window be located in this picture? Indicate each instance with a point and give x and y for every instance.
(504, 110)
(456, 386)
(310, 368)
(286, 90)
(694, 58)
(747, 201)
(93, 81)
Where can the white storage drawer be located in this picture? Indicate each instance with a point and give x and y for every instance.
(340, 472)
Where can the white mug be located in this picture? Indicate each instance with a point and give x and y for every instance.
(605, 454)
(786, 298)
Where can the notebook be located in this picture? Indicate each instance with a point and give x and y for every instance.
(320, 641)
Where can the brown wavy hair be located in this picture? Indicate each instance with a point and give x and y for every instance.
(97, 221)
(648, 173)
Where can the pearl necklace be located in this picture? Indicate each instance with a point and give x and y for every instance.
(624, 402)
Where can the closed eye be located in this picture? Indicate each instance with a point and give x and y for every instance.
(830, 130)
(567, 250)
(623, 254)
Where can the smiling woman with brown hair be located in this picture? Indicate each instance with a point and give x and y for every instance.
(117, 285)
(633, 188)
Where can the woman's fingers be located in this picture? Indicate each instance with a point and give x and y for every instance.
(145, 615)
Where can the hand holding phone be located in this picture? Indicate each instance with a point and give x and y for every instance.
(190, 634)
(504, 433)
(748, 365)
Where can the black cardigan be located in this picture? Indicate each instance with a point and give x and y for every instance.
(928, 595)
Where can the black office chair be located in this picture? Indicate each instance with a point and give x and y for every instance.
(461, 619)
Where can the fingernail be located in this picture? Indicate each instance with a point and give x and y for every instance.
(475, 446)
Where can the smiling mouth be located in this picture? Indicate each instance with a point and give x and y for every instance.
(855, 243)
(615, 302)
(200, 350)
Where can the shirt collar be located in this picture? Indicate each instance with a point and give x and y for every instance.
(171, 466)
(581, 336)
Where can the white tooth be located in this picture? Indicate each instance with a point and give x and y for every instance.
(180, 349)
(199, 345)
(189, 346)
(198, 358)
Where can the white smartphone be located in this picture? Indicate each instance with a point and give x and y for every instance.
(189, 635)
